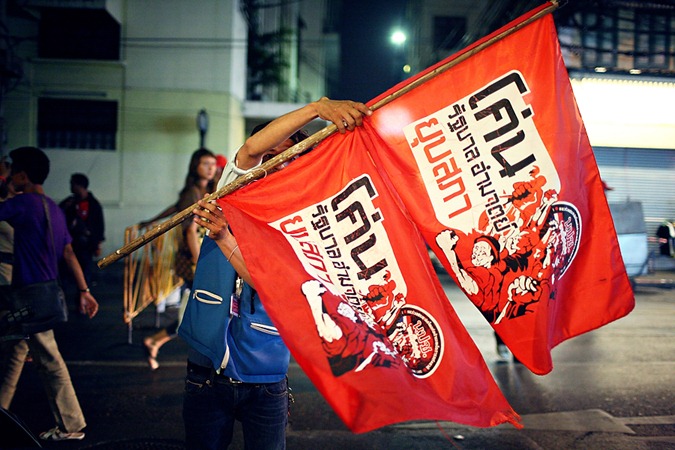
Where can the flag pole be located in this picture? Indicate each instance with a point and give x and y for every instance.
(262, 170)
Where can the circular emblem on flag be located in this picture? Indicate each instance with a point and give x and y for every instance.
(418, 340)
(564, 223)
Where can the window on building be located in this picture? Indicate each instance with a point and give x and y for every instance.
(636, 36)
(652, 39)
(448, 32)
(69, 33)
(77, 124)
(599, 39)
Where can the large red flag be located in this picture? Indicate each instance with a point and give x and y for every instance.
(346, 278)
(492, 160)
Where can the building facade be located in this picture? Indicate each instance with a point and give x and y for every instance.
(620, 56)
(113, 88)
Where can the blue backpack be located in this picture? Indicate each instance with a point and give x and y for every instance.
(246, 347)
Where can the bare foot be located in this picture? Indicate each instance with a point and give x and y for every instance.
(151, 349)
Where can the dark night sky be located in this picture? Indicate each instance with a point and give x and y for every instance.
(367, 56)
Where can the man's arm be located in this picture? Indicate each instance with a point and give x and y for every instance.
(345, 114)
(88, 304)
(209, 216)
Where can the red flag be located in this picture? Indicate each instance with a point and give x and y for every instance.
(346, 278)
(492, 160)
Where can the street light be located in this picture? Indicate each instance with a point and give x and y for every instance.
(202, 126)
(398, 38)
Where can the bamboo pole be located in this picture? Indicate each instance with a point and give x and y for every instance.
(262, 170)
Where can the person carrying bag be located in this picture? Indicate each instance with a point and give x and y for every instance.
(40, 306)
(40, 239)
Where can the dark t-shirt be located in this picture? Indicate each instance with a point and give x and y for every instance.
(84, 219)
(34, 259)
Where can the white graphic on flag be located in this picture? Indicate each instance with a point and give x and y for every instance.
(344, 247)
(342, 242)
(472, 152)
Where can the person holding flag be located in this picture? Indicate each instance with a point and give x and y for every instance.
(444, 155)
(237, 362)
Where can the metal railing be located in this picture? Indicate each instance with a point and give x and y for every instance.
(149, 276)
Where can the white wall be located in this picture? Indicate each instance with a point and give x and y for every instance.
(174, 44)
(625, 113)
(177, 58)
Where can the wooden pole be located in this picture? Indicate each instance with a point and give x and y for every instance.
(262, 170)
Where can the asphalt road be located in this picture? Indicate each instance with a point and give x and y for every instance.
(613, 388)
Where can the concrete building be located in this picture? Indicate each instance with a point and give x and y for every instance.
(113, 88)
(133, 76)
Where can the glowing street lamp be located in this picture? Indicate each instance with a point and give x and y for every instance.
(398, 38)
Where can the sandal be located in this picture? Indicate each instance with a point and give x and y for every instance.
(55, 434)
(151, 350)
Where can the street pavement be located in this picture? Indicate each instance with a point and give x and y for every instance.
(612, 388)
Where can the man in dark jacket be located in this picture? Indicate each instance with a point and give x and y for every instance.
(84, 218)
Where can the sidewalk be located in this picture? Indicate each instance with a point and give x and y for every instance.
(662, 278)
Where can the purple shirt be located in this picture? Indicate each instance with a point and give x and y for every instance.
(34, 258)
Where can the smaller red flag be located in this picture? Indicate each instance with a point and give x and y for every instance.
(346, 278)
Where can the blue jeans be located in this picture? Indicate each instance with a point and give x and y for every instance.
(211, 404)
